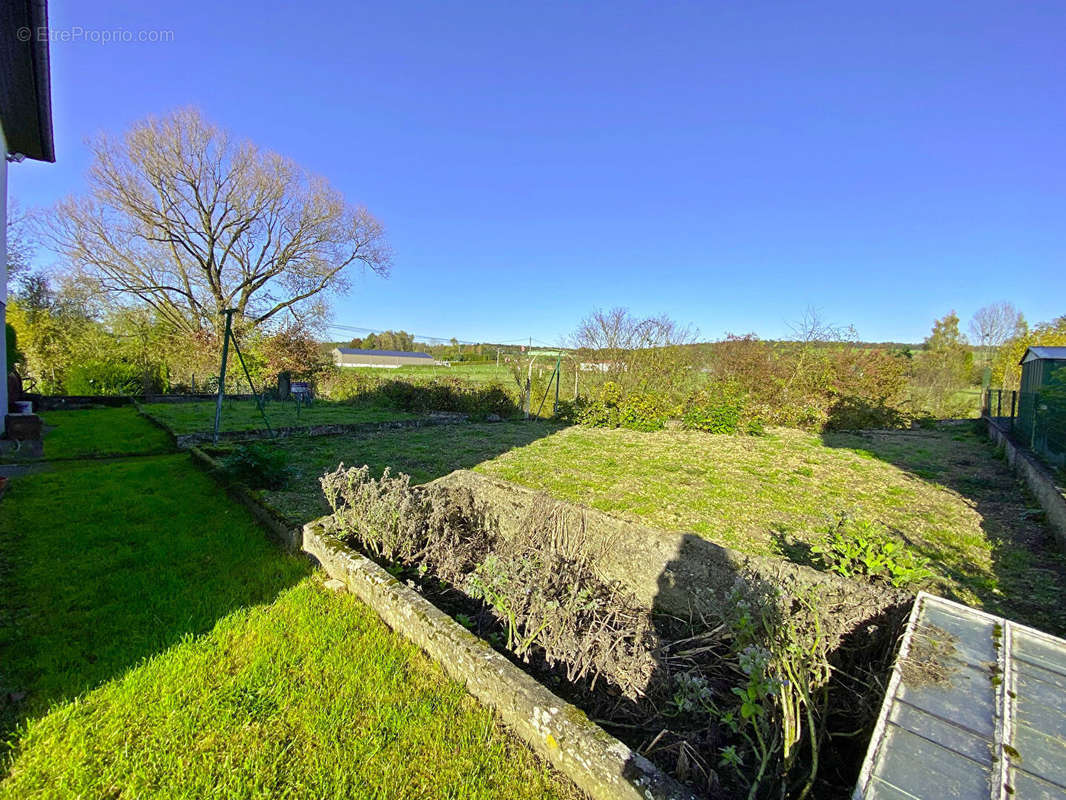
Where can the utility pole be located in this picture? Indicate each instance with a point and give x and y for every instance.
(222, 371)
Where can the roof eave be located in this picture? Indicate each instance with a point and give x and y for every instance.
(43, 81)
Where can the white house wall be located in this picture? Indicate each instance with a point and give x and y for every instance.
(3, 277)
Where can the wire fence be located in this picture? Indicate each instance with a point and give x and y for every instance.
(1036, 420)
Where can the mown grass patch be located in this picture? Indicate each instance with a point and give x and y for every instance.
(106, 563)
(470, 372)
(99, 432)
(154, 643)
(422, 453)
(309, 696)
(243, 415)
(941, 493)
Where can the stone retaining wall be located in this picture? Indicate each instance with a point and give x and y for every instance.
(598, 763)
(70, 401)
(288, 536)
(1037, 477)
(676, 572)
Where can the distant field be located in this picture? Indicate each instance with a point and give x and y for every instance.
(942, 493)
(243, 415)
(486, 372)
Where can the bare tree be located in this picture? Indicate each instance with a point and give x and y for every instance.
(992, 325)
(812, 334)
(633, 350)
(187, 220)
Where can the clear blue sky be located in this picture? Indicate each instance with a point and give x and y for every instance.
(727, 163)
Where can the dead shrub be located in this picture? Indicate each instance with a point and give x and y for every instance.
(545, 591)
(541, 588)
(386, 517)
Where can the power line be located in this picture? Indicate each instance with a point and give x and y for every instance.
(431, 339)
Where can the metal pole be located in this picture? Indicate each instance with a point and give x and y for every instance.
(255, 394)
(222, 372)
(558, 380)
(546, 390)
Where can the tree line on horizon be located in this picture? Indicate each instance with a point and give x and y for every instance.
(181, 220)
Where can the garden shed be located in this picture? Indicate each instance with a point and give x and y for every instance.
(1039, 364)
(1041, 421)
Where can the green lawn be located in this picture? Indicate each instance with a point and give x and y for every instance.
(423, 453)
(154, 643)
(92, 433)
(473, 373)
(943, 493)
(243, 415)
(477, 373)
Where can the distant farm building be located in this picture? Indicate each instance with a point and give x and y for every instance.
(603, 366)
(385, 359)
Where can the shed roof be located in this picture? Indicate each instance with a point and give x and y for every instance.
(25, 84)
(1044, 354)
(348, 351)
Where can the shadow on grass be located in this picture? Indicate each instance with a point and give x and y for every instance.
(712, 606)
(104, 564)
(423, 453)
(1028, 574)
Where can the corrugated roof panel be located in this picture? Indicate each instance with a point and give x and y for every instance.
(1042, 352)
(975, 709)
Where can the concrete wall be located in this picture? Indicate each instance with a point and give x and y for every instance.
(602, 766)
(1037, 478)
(676, 572)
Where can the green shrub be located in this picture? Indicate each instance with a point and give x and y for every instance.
(856, 413)
(258, 466)
(420, 395)
(104, 378)
(716, 410)
(611, 408)
(857, 548)
(721, 408)
(14, 356)
(643, 411)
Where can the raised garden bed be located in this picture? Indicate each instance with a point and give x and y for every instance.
(737, 676)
